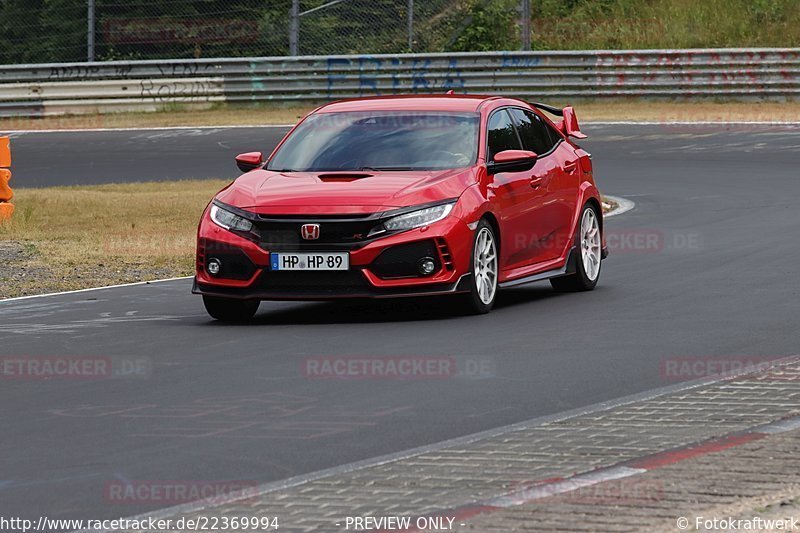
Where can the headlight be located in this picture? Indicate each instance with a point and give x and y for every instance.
(421, 217)
(228, 220)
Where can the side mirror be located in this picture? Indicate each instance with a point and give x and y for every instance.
(249, 161)
(511, 161)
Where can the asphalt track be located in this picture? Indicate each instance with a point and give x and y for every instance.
(714, 273)
(93, 157)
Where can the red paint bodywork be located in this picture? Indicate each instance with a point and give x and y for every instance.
(536, 211)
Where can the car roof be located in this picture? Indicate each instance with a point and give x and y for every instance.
(416, 102)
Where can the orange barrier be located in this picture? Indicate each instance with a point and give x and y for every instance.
(6, 194)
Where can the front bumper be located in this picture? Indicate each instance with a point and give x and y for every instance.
(450, 239)
(330, 292)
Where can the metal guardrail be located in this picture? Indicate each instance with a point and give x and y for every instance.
(52, 89)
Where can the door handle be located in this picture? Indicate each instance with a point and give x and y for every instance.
(571, 166)
(536, 182)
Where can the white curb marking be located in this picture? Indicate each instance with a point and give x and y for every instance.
(579, 481)
(623, 206)
(18, 298)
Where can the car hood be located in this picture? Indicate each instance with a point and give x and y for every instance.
(264, 191)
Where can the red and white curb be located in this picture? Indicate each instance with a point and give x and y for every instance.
(476, 508)
(555, 486)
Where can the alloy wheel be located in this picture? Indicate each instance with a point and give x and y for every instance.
(590, 244)
(485, 265)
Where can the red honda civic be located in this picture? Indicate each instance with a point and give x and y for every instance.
(405, 196)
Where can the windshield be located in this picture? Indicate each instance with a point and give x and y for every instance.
(380, 141)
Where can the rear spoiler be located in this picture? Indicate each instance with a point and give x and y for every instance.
(569, 123)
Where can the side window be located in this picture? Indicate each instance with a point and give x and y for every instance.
(502, 134)
(535, 134)
(555, 137)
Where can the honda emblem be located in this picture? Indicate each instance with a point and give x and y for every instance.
(310, 232)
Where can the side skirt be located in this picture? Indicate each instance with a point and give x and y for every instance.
(570, 267)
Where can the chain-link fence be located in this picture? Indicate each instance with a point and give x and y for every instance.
(51, 31)
(369, 26)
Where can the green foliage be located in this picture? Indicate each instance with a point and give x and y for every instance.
(489, 25)
(37, 31)
(631, 24)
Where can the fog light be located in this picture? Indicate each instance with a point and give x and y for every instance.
(426, 266)
(213, 266)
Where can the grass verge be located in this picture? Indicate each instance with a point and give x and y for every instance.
(229, 115)
(67, 238)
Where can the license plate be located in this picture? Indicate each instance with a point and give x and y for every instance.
(310, 261)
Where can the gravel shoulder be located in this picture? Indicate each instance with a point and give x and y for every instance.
(68, 238)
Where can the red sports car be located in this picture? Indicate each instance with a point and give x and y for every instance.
(405, 196)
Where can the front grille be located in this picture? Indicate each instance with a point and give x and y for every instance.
(336, 233)
(318, 218)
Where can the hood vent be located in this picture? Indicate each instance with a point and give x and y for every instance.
(343, 176)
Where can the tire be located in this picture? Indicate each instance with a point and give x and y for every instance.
(485, 268)
(230, 310)
(588, 246)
